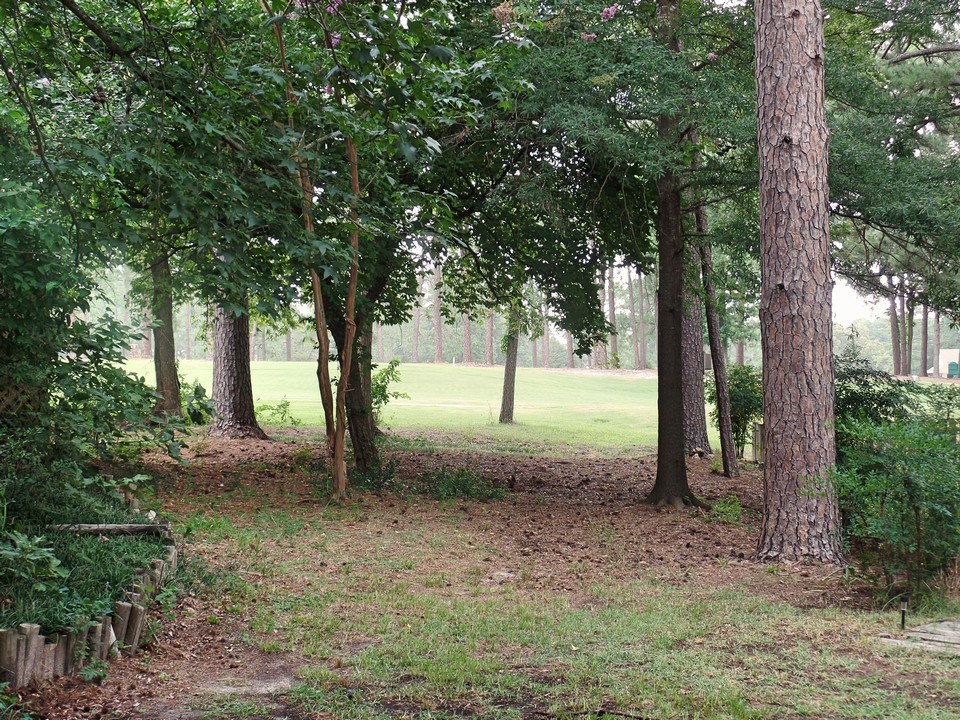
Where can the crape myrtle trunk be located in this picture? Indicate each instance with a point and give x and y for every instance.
(232, 385)
(510, 370)
(361, 423)
(801, 517)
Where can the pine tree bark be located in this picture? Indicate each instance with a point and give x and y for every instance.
(801, 517)
(612, 319)
(232, 384)
(694, 399)
(533, 352)
(671, 485)
(437, 317)
(488, 341)
(903, 330)
(510, 370)
(936, 344)
(467, 339)
(924, 340)
(164, 348)
(740, 352)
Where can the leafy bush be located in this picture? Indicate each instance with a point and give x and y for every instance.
(380, 382)
(197, 405)
(443, 484)
(278, 414)
(746, 402)
(899, 492)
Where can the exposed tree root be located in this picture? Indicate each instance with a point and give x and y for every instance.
(236, 432)
(677, 502)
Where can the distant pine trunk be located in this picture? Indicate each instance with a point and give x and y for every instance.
(232, 385)
(924, 341)
(936, 344)
(437, 317)
(164, 349)
(467, 339)
(612, 318)
(570, 361)
(488, 344)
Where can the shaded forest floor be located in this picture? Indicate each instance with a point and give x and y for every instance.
(569, 598)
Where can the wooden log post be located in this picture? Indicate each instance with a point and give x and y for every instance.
(121, 618)
(80, 653)
(94, 639)
(69, 661)
(48, 655)
(28, 661)
(8, 656)
(137, 615)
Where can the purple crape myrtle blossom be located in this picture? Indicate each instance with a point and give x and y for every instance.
(609, 13)
(587, 37)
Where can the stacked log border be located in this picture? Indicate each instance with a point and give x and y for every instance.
(26, 656)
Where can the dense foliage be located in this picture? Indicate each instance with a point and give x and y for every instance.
(746, 402)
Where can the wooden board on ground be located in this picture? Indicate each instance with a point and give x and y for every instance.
(942, 636)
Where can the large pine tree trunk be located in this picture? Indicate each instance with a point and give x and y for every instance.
(437, 317)
(801, 517)
(924, 340)
(510, 371)
(488, 341)
(164, 349)
(359, 405)
(232, 386)
(694, 401)
(728, 448)
(670, 486)
(612, 319)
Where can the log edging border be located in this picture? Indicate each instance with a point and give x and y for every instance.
(26, 656)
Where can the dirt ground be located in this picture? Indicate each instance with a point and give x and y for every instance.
(577, 512)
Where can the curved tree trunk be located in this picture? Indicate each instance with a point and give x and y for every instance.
(728, 449)
(801, 517)
(694, 399)
(232, 386)
(510, 371)
(164, 349)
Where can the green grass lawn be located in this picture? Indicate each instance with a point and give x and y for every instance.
(554, 408)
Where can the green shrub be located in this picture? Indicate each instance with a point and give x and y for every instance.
(443, 484)
(746, 402)
(197, 405)
(380, 382)
(899, 490)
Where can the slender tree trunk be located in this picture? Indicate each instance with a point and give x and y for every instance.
(437, 317)
(600, 357)
(187, 332)
(570, 361)
(417, 315)
(924, 341)
(510, 369)
(232, 385)
(694, 400)
(359, 403)
(488, 341)
(740, 352)
(263, 344)
(895, 331)
(642, 317)
(728, 448)
(904, 365)
(381, 352)
(545, 350)
(533, 352)
(633, 321)
(252, 341)
(289, 345)
(612, 319)
(936, 344)
(801, 518)
(908, 351)
(467, 339)
(165, 354)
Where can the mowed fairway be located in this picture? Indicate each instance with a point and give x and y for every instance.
(554, 408)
